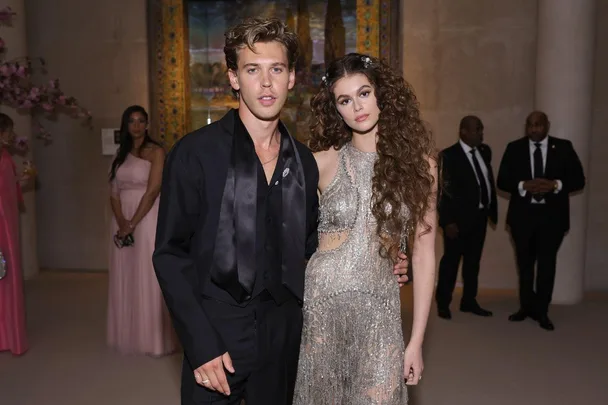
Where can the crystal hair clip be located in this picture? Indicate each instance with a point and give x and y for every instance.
(366, 61)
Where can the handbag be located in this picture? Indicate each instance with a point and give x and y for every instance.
(122, 242)
(3, 266)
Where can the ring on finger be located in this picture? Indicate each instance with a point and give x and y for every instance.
(205, 382)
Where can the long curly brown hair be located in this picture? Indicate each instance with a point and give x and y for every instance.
(402, 179)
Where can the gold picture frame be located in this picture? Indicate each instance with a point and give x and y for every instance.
(377, 35)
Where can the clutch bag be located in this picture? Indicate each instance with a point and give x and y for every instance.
(3, 266)
(122, 242)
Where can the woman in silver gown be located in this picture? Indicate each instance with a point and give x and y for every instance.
(377, 167)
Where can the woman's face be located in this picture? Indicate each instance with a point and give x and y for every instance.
(7, 137)
(137, 125)
(356, 102)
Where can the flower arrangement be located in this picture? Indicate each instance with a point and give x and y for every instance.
(18, 90)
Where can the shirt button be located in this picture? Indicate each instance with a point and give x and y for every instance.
(276, 183)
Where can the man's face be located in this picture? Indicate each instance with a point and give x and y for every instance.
(263, 79)
(472, 132)
(537, 127)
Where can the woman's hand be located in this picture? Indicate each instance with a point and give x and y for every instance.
(125, 228)
(400, 269)
(413, 364)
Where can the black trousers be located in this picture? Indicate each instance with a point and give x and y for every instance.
(468, 246)
(263, 340)
(536, 244)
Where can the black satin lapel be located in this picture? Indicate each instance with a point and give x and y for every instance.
(293, 231)
(233, 267)
(245, 206)
(224, 268)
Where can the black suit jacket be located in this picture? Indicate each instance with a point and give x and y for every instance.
(190, 200)
(460, 191)
(562, 164)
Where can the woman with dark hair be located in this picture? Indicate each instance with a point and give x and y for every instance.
(377, 167)
(137, 319)
(12, 307)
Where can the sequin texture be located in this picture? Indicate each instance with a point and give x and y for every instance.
(352, 342)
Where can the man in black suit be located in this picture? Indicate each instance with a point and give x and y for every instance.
(237, 220)
(468, 200)
(540, 172)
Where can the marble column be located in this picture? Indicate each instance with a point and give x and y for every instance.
(16, 42)
(564, 86)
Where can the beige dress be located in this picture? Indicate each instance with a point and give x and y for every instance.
(352, 341)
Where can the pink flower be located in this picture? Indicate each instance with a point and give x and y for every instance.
(21, 71)
(5, 70)
(22, 143)
(6, 15)
(17, 89)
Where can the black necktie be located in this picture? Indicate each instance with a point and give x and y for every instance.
(538, 167)
(483, 187)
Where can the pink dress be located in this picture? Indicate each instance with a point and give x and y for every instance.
(138, 321)
(12, 309)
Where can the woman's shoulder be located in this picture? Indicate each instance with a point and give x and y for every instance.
(152, 151)
(326, 158)
(328, 163)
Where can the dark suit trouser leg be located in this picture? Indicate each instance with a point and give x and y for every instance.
(279, 334)
(473, 248)
(448, 270)
(548, 242)
(236, 326)
(263, 340)
(525, 251)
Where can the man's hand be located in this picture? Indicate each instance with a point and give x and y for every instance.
(451, 231)
(211, 375)
(400, 269)
(546, 186)
(532, 186)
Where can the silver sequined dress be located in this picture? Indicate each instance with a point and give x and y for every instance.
(352, 342)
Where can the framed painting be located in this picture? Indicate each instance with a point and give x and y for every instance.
(189, 82)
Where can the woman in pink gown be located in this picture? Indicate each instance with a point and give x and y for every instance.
(12, 309)
(138, 322)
